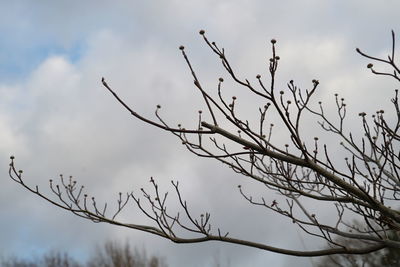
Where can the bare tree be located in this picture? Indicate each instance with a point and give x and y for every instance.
(112, 254)
(387, 257)
(51, 259)
(109, 254)
(364, 184)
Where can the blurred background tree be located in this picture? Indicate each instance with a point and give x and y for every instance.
(109, 254)
(389, 257)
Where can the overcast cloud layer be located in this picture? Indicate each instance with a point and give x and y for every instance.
(55, 116)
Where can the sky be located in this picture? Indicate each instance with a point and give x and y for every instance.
(57, 118)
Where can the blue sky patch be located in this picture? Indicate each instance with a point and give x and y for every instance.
(22, 60)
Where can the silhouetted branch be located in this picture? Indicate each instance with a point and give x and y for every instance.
(366, 185)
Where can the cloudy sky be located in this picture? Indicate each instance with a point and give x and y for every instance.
(56, 117)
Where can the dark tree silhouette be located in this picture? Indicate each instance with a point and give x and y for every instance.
(109, 254)
(388, 257)
(113, 254)
(363, 184)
